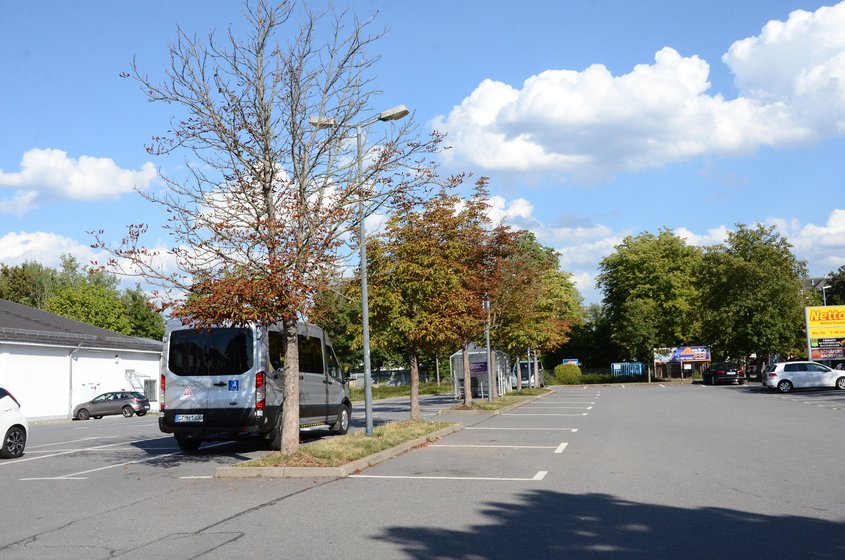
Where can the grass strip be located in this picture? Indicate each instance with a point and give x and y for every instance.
(386, 392)
(339, 450)
(502, 402)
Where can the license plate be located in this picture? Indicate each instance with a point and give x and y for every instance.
(188, 418)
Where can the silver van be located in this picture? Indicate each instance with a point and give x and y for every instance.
(525, 369)
(225, 383)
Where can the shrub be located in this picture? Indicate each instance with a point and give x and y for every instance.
(567, 374)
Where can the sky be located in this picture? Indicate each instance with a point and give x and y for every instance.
(593, 119)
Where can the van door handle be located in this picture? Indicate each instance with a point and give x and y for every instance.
(302, 377)
(328, 382)
(220, 384)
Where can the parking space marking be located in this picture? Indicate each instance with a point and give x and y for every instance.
(76, 475)
(547, 401)
(537, 477)
(559, 407)
(558, 449)
(30, 447)
(545, 414)
(56, 454)
(573, 430)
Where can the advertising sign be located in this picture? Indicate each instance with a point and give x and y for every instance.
(682, 354)
(826, 332)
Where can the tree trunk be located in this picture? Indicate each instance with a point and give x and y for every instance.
(467, 377)
(290, 406)
(536, 371)
(437, 368)
(518, 374)
(415, 386)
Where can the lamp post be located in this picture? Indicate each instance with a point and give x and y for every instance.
(824, 294)
(393, 114)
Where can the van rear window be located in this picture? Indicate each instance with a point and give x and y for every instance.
(216, 351)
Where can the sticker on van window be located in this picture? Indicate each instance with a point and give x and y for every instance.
(233, 384)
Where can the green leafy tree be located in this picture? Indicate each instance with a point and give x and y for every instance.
(143, 319)
(650, 293)
(751, 294)
(836, 293)
(93, 304)
(419, 297)
(29, 283)
(589, 341)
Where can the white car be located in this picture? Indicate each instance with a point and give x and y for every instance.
(13, 426)
(787, 376)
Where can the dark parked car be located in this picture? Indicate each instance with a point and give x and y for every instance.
(117, 402)
(723, 372)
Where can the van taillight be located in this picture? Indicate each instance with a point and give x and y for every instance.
(260, 391)
(161, 393)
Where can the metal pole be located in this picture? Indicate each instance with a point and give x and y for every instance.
(489, 359)
(365, 305)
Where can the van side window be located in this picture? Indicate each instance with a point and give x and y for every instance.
(276, 344)
(311, 355)
(334, 367)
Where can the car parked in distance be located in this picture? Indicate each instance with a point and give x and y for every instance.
(787, 376)
(127, 403)
(13, 426)
(723, 372)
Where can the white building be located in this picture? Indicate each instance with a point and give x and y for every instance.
(51, 363)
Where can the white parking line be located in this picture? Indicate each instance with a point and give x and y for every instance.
(26, 459)
(544, 414)
(546, 401)
(539, 476)
(573, 430)
(76, 475)
(30, 447)
(559, 407)
(559, 447)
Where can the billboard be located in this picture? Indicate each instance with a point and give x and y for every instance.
(682, 354)
(826, 332)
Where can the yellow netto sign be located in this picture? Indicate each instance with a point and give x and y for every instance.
(826, 332)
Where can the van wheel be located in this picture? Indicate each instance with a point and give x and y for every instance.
(342, 425)
(189, 445)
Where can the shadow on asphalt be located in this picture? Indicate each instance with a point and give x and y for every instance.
(599, 526)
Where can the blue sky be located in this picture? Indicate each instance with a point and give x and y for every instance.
(593, 119)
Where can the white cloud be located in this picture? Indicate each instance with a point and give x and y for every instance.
(714, 236)
(822, 246)
(52, 173)
(591, 124)
(19, 203)
(42, 247)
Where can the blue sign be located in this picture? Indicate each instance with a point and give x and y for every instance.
(233, 385)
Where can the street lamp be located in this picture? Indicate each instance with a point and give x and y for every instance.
(392, 114)
(824, 294)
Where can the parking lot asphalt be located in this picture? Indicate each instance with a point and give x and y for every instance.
(645, 471)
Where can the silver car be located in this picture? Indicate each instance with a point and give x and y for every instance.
(787, 376)
(127, 403)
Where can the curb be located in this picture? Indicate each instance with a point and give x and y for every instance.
(333, 472)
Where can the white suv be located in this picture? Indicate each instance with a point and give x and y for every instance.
(13, 426)
(802, 375)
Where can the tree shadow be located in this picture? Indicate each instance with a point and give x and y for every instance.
(570, 526)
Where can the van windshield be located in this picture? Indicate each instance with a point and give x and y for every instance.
(216, 351)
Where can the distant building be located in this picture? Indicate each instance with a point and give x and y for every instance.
(51, 363)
